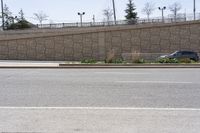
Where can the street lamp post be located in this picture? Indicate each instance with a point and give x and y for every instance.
(114, 11)
(93, 18)
(162, 9)
(194, 10)
(81, 17)
(2, 14)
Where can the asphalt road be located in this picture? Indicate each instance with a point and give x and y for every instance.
(142, 88)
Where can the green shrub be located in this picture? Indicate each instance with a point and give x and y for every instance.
(139, 61)
(185, 60)
(118, 61)
(115, 61)
(22, 24)
(88, 61)
(167, 60)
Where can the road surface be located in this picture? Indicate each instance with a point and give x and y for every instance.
(174, 88)
(100, 100)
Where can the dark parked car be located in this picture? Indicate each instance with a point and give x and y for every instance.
(182, 55)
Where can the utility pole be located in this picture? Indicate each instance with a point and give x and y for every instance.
(162, 9)
(81, 17)
(114, 11)
(2, 11)
(194, 10)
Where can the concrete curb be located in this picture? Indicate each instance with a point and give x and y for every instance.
(103, 66)
(130, 65)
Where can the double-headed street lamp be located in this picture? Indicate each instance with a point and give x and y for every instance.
(2, 14)
(162, 9)
(81, 17)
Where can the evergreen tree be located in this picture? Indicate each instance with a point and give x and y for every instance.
(131, 16)
(21, 23)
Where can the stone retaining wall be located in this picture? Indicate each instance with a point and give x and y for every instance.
(98, 43)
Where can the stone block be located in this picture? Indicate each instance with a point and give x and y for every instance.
(77, 38)
(135, 41)
(108, 37)
(175, 30)
(195, 47)
(40, 48)
(165, 44)
(175, 39)
(185, 32)
(126, 47)
(116, 33)
(59, 56)
(95, 37)
(4, 56)
(116, 41)
(49, 43)
(136, 48)
(31, 55)
(135, 33)
(185, 43)
(4, 49)
(145, 45)
(194, 29)
(145, 35)
(21, 42)
(155, 48)
(155, 40)
(12, 55)
(155, 31)
(68, 41)
(40, 41)
(126, 35)
(31, 44)
(21, 48)
(165, 34)
(175, 47)
(21, 56)
(58, 40)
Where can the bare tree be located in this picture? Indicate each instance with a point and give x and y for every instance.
(148, 9)
(108, 13)
(40, 16)
(174, 8)
(9, 19)
(21, 15)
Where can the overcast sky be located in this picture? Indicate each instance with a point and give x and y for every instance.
(66, 10)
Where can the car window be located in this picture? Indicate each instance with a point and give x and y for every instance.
(179, 53)
(174, 54)
(185, 53)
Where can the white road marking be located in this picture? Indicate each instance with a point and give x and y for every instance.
(100, 108)
(128, 73)
(156, 82)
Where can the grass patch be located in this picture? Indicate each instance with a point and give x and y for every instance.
(88, 61)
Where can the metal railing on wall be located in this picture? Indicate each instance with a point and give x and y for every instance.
(112, 23)
(169, 19)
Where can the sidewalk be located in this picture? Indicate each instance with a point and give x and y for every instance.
(27, 64)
